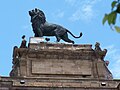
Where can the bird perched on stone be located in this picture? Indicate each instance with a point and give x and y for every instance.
(23, 43)
(23, 37)
(47, 39)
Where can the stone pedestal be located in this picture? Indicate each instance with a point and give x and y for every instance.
(58, 66)
(59, 60)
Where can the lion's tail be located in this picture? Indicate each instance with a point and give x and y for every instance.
(73, 35)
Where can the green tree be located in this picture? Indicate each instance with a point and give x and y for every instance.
(112, 16)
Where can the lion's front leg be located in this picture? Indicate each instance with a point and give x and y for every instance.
(57, 36)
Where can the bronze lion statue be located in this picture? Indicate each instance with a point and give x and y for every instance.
(42, 28)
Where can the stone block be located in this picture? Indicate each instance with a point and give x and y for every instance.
(36, 40)
(50, 66)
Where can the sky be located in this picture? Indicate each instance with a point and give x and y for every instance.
(76, 15)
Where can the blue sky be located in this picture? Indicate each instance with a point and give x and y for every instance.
(76, 15)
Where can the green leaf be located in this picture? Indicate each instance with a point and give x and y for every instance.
(117, 29)
(112, 18)
(118, 8)
(113, 4)
(105, 19)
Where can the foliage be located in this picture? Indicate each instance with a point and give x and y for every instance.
(112, 16)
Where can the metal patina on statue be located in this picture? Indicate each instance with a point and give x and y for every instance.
(42, 28)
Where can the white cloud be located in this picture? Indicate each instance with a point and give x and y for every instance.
(71, 2)
(85, 12)
(58, 14)
(114, 56)
(76, 16)
(111, 50)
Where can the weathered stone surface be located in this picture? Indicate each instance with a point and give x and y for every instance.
(44, 45)
(51, 66)
(60, 84)
(75, 67)
(67, 60)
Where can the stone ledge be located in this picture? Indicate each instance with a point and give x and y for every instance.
(59, 82)
(46, 45)
(70, 84)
